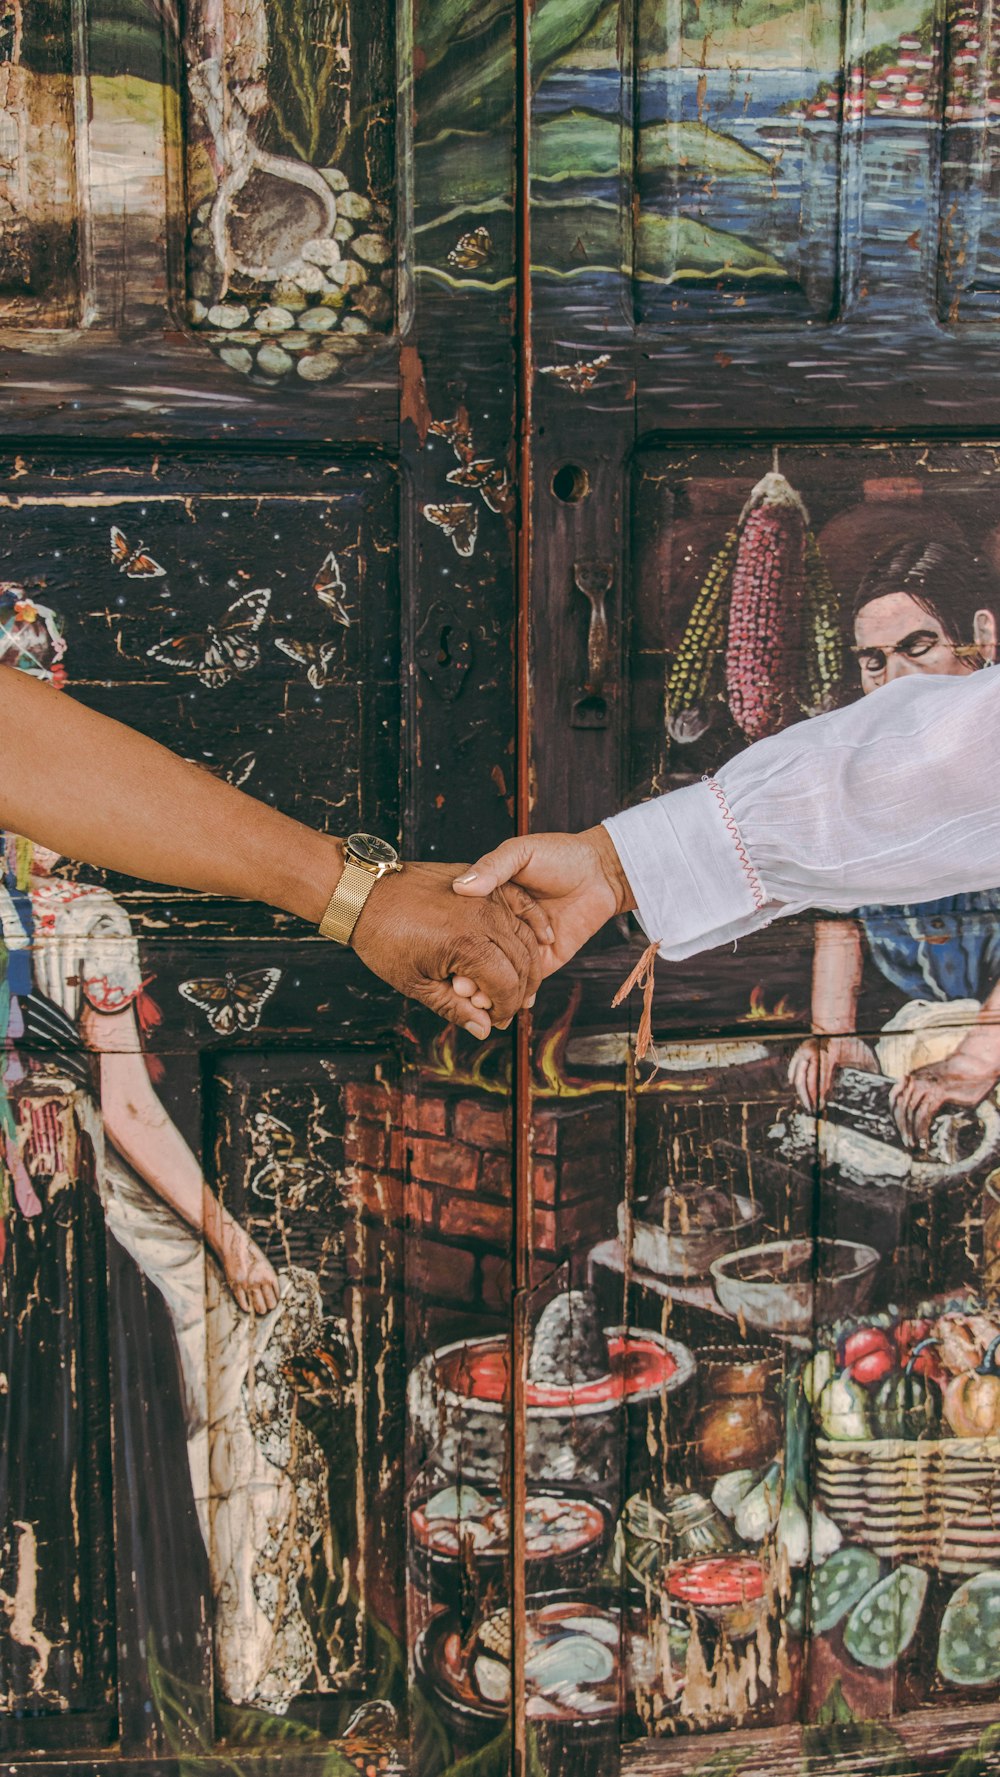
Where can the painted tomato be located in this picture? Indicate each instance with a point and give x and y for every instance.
(862, 1344)
(721, 1579)
(873, 1366)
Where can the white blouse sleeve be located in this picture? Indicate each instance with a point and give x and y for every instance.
(894, 799)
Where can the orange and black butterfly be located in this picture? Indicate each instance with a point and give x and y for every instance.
(580, 376)
(458, 520)
(134, 563)
(232, 1002)
(330, 589)
(486, 476)
(314, 1372)
(472, 250)
(223, 650)
(457, 431)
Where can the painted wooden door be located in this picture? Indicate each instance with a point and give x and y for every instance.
(763, 398)
(256, 504)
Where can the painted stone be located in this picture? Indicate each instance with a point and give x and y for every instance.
(274, 361)
(322, 252)
(373, 249)
(354, 205)
(228, 318)
(274, 319)
(238, 358)
(318, 320)
(319, 368)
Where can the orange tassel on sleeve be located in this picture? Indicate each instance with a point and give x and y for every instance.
(642, 976)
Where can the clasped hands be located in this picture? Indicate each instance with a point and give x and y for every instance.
(474, 944)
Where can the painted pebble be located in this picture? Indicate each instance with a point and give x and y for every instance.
(317, 368)
(228, 318)
(322, 252)
(273, 319)
(273, 361)
(373, 249)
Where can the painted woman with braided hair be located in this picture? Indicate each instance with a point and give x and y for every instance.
(926, 606)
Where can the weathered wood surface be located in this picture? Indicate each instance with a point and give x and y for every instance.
(930, 1743)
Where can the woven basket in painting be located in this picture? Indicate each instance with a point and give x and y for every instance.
(935, 1503)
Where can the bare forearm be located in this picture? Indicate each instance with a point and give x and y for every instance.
(94, 790)
(837, 968)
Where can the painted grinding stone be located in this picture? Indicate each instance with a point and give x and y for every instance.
(839, 1585)
(969, 1645)
(883, 1623)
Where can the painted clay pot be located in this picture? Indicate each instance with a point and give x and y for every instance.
(738, 1426)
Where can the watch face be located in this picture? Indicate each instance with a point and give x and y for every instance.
(369, 849)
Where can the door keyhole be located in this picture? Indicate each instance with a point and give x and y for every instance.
(444, 652)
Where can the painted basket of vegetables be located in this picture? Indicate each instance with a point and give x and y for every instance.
(935, 1503)
(917, 1497)
(886, 1469)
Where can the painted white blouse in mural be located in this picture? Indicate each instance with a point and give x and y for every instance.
(894, 799)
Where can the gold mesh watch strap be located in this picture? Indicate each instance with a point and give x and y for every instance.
(346, 902)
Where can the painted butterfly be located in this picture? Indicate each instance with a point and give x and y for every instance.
(134, 563)
(225, 648)
(330, 588)
(315, 657)
(457, 431)
(489, 480)
(472, 250)
(580, 376)
(459, 521)
(232, 1002)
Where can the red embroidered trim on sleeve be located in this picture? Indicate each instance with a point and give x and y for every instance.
(759, 897)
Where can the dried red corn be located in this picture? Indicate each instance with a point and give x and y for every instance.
(765, 609)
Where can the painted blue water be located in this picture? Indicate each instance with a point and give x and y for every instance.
(835, 241)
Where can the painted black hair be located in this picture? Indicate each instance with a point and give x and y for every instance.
(943, 576)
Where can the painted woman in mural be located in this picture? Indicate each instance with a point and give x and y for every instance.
(82, 1126)
(924, 607)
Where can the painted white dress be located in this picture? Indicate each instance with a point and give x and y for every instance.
(258, 1477)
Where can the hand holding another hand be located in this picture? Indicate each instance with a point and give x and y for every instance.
(575, 881)
(417, 935)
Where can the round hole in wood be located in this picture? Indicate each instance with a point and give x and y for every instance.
(570, 483)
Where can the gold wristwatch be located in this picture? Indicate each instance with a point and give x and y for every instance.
(366, 859)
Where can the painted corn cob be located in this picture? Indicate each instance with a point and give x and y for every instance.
(699, 658)
(764, 642)
(824, 644)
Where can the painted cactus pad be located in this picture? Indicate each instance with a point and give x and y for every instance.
(840, 1584)
(883, 1623)
(969, 1644)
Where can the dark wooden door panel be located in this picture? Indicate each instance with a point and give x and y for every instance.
(773, 225)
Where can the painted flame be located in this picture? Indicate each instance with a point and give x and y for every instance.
(782, 1013)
